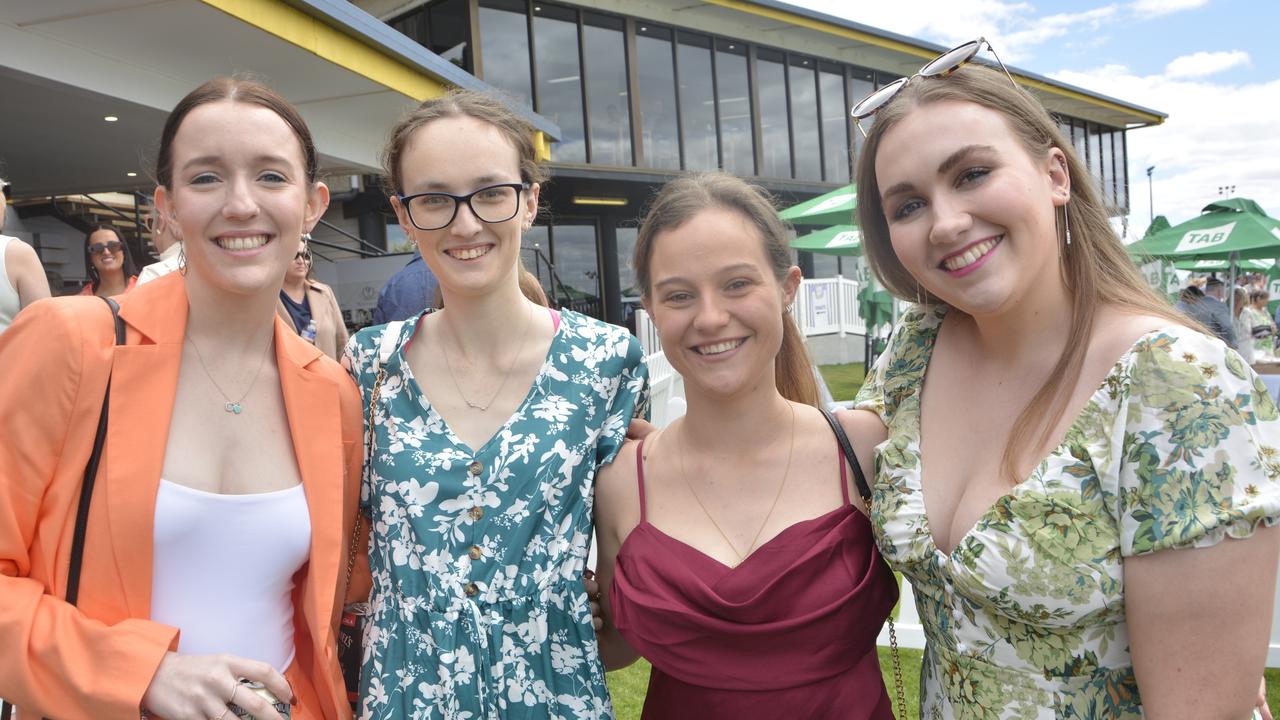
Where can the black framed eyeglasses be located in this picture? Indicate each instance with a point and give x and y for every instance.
(112, 245)
(941, 66)
(490, 204)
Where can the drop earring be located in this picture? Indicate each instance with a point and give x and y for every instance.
(1066, 225)
(182, 259)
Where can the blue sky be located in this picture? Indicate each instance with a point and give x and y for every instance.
(1212, 65)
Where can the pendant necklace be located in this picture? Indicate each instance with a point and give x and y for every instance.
(516, 358)
(232, 406)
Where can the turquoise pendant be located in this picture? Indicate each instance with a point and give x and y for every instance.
(233, 407)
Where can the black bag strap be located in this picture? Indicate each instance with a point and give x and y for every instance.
(86, 489)
(859, 479)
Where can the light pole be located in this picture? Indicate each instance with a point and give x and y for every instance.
(1226, 190)
(1151, 195)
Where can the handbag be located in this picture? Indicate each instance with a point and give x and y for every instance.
(864, 491)
(86, 491)
(351, 630)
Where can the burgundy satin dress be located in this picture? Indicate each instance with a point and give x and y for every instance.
(788, 633)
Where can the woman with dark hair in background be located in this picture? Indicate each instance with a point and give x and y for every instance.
(108, 262)
(217, 531)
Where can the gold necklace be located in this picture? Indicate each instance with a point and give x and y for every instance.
(232, 406)
(785, 473)
(516, 358)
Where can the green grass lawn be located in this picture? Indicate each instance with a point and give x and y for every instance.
(842, 380)
(628, 685)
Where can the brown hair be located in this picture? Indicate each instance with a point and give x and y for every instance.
(127, 267)
(1095, 267)
(463, 103)
(237, 90)
(681, 199)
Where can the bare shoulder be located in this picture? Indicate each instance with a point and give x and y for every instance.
(617, 501)
(1116, 330)
(19, 251)
(863, 427)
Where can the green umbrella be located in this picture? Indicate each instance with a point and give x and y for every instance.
(835, 240)
(834, 208)
(1218, 265)
(1234, 226)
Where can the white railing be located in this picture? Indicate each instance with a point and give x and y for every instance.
(826, 306)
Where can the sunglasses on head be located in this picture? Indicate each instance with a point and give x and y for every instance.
(111, 245)
(941, 66)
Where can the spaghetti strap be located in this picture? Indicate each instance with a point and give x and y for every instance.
(844, 478)
(640, 475)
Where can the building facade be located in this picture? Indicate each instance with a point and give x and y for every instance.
(641, 91)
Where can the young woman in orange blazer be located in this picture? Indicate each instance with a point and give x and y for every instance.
(217, 536)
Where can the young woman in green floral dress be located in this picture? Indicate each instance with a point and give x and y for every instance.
(491, 422)
(1081, 486)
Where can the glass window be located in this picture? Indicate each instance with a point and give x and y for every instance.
(577, 266)
(697, 115)
(555, 47)
(1122, 169)
(1108, 171)
(441, 28)
(804, 118)
(504, 48)
(835, 135)
(607, 99)
(627, 274)
(735, 108)
(1095, 157)
(861, 84)
(657, 97)
(534, 250)
(1078, 141)
(775, 142)
(825, 266)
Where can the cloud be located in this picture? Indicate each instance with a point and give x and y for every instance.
(1156, 8)
(1217, 134)
(1203, 64)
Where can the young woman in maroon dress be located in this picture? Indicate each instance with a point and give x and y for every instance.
(734, 552)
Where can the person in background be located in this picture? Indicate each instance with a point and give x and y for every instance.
(410, 291)
(1082, 487)
(1213, 312)
(1262, 328)
(1242, 323)
(1188, 298)
(170, 248)
(22, 278)
(310, 306)
(109, 263)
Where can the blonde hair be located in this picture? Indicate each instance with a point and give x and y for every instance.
(1095, 267)
(681, 199)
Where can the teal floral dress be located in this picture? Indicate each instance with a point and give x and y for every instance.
(1026, 618)
(477, 610)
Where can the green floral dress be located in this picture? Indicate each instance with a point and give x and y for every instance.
(1026, 618)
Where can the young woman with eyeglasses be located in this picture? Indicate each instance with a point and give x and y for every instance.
(1081, 485)
(310, 306)
(108, 262)
(490, 420)
(217, 529)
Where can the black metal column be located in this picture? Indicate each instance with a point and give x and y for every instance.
(611, 286)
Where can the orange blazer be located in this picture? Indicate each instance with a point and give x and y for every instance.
(97, 659)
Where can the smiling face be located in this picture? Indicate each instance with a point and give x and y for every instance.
(716, 303)
(240, 198)
(971, 214)
(459, 155)
(108, 261)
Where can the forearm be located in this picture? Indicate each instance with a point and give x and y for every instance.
(615, 652)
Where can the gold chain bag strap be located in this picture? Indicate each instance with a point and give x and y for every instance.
(351, 631)
(865, 492)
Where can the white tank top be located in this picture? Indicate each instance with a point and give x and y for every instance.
(223, 570)
(8, 293)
